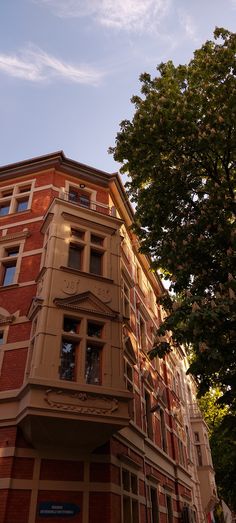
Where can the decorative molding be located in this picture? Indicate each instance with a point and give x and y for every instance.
(15, 236)
(5, 320)
(129, 461)
(35, 306)
(81, 402)
(86, 302)
(70, 286)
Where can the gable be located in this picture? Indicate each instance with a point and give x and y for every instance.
(85, 302)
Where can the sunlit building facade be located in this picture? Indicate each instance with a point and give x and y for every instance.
(91, 430)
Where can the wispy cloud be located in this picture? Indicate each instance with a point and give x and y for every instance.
(128, 15)
(34, 65)
(188, 25)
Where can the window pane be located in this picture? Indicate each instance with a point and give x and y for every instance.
(67, 367)
(94, 329)
(6, 193)
(9, 273)
(22, 205)
(92, 365)
(77, 233)
(24, 188)
(154, 505)
(4, 209)
(12, 251)
(1, 338)
(134, 484)
(84, 200)
(96, 262)
(96, 239)
(71, 325)
(75, 257)
(73, 195)
(135, 515)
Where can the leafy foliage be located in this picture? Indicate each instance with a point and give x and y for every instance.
(222, 431)
(180, 153)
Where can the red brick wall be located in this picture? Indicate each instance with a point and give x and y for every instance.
(23, 468)
(19, 332)
(6, 467)
(13, 369)
(100, 472)
(100, 507)
(17, 510)
(61, 470)
(29, 268)
(14, 299)
(7, 437)
(3, 504)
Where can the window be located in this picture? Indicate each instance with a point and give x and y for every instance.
(154, 505)
(198, 449)
(148, 415)
(9, 270)
(73, 195)
(142, 333)
(181, 452)
(126, 300)
(22, 205)
(130, 497)
(128, 374)
(79, 197)
(9, 264)
(4, 209)
(94, 330)
(169, 509)
(97, 240)
(68, 355)
(75, 256)
(12, 199)
(71, 325)
(96, 262)
(69, 349)
(84, 200)
(163, 430)
(93, 364)
(1, 337)
(77, 233)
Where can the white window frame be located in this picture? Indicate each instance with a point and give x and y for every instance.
(16, 196)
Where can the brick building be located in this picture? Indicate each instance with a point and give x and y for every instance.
(91, 430)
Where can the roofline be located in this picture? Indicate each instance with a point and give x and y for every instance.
(57, 157)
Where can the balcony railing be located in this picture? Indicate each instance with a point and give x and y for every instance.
(194, 410)
(97, 207)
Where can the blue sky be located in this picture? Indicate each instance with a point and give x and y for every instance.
(68, 68)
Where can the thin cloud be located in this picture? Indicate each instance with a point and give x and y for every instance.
(128, 15)
(37, 66)
(188, 25)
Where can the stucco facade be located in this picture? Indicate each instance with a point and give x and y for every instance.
(91, 430)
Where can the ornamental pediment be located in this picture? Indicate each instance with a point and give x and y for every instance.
(85, 302)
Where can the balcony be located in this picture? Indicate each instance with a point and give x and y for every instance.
(81, 418)
(97, 207)
(194, 411)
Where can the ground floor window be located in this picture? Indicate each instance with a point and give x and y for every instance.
(130, 497)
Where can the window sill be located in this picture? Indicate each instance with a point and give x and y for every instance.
(12, 214)
(11, 286)
(86, 274)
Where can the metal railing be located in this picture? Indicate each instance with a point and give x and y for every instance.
(84, 203)
(194, 410)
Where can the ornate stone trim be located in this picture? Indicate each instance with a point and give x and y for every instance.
(15, 236)
(80, 402)
(5, 320)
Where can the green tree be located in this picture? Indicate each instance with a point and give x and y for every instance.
(180, 153)
(222, 435)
